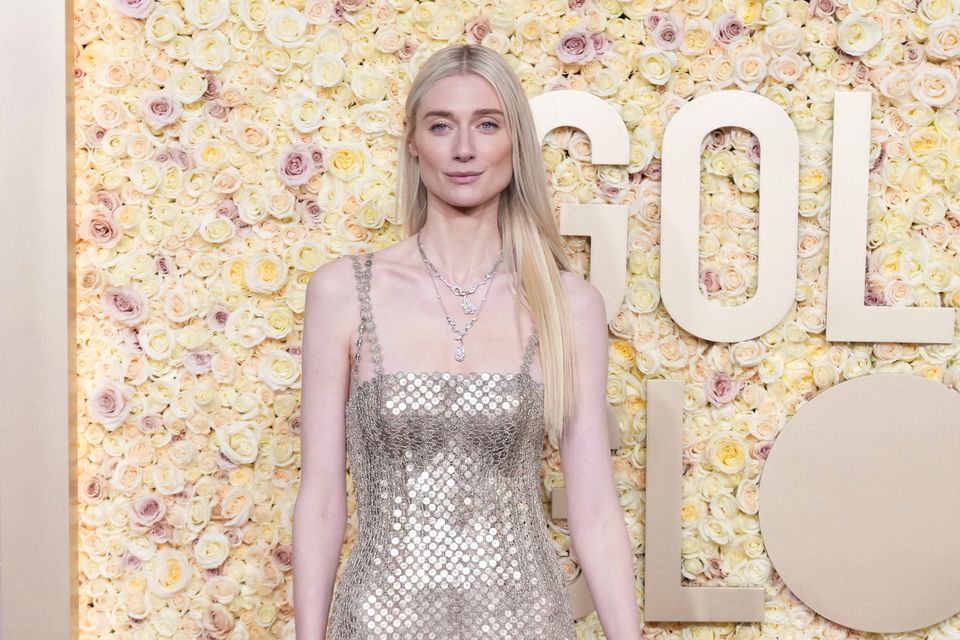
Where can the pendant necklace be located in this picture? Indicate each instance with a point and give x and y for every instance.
(467, 305)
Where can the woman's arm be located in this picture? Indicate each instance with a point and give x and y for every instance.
(598, 532)
(320, 512)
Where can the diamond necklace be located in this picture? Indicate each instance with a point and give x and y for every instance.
(475, 310)
(467, 304)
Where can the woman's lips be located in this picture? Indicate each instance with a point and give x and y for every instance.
(464, 179)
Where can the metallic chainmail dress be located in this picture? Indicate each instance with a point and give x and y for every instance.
(452, 540)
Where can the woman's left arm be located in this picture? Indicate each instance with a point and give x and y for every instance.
(598, 532)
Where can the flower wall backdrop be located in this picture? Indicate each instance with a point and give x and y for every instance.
(227, 148)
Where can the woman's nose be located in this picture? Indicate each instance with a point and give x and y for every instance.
(464, 146)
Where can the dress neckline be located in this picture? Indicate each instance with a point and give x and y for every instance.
(505, 376)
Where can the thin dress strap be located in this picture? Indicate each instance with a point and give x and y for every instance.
(528, 354)
(363, 278)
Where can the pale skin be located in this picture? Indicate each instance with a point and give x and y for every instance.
(461, 239)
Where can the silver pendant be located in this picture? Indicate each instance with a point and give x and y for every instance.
(468, 307)
(460, 353)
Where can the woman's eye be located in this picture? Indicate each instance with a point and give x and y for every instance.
(439, 124)
(495, 125)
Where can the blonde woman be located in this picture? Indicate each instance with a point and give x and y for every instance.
(435, 366)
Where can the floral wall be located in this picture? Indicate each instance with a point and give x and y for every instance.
(227, 148)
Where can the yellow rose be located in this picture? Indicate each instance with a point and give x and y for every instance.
(264, 273)
(346, 161)
(727, 452)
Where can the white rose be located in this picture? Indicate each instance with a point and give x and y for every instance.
(285, 27)
(327, 70)
(279, 370)
(858, 34)
(783, 37)
(943, 39)
(932, 10)
(307, 111)
(656, 65)
(934, 86)
(209, 50)
(206, 14)
(171, 572)
(749, 69)
(211, 549)
(239, 442)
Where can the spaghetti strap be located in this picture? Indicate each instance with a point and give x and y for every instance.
(528, 354)
(363, 277)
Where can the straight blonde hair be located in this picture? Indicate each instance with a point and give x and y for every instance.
(533, 250)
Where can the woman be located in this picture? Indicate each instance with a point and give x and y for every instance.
(444, 425)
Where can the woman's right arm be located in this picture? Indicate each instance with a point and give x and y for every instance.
(320, 511)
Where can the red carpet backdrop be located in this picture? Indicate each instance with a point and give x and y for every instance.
(227, 148)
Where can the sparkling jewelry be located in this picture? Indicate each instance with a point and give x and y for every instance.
(466, 304)
(460, 353)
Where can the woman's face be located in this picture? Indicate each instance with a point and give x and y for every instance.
(461, 128)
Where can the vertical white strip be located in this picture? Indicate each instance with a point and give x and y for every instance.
(36, 512)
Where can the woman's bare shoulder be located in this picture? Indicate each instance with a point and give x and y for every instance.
(331, 294)
(583, 295)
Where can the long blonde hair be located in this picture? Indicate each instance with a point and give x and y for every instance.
(533, 250)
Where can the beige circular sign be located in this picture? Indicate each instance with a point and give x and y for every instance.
(860, 503)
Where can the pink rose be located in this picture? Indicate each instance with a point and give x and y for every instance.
(296, 163)
(753, 149)
(575, 46)
(311, 213)
(109, 404)
(601, 43)
(197, 362)
(666, 33)
(716, 139)
(214, 84)
(93, 136)
(217, 317)
(283, 555)
(873, 296)
(160, 533)
(99, 227)
(477, 29)
(124, 304)
(130, 562)
(147, 510)
(822, 7)
(721, 388)
(91, 490)
(215, 109)
(159, 108)
(133, 8)
(727, 28)
(762, 449)
(410, 46)
(106, 200)
(710, 281)
(150, 422)
(217, 621)
(653, 170)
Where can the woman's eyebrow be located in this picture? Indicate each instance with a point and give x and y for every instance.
(447, 114)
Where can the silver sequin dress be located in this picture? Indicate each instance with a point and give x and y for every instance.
(452, 541)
